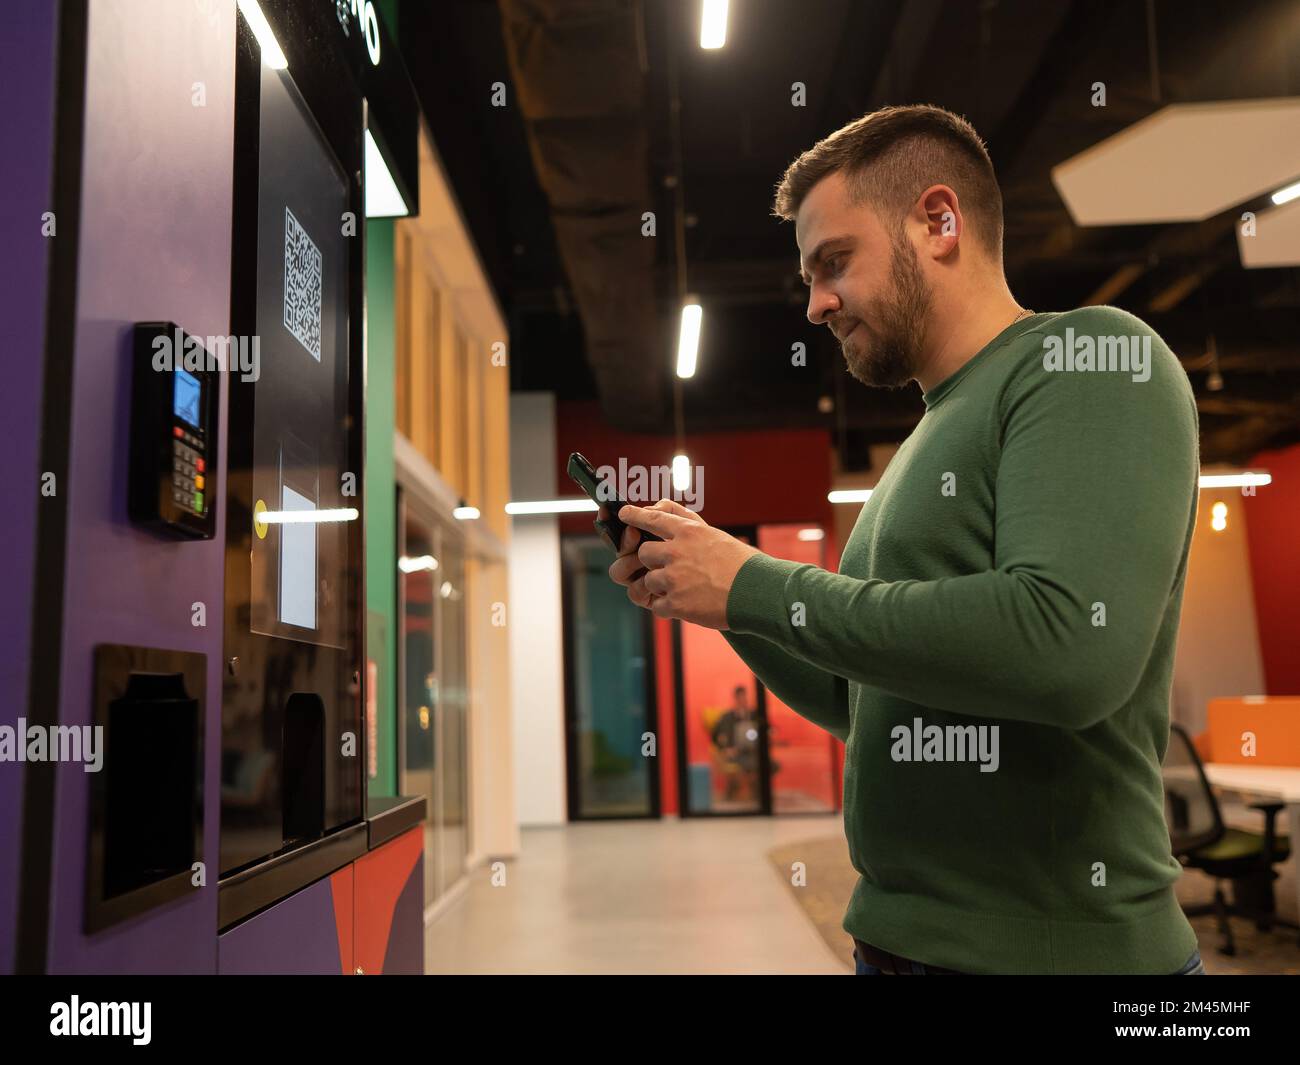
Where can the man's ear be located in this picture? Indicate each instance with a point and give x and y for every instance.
(944, 225)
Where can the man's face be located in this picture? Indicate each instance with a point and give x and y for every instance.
(864, 283)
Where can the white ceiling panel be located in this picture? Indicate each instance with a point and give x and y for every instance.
(1184, 163)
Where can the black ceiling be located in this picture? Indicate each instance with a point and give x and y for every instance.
(553, 186)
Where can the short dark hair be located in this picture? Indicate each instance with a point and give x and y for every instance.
(892, 155)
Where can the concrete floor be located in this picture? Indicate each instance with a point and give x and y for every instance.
(702, 896)
(693, 896)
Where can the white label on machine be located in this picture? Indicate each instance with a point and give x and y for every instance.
(298, 564)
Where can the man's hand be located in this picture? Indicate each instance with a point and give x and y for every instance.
(687, 576)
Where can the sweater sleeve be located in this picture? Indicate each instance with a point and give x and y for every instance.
(1095, 493)
(808, 690)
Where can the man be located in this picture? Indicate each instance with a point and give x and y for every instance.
(735, 736)
(731, 733)
(1007, 605)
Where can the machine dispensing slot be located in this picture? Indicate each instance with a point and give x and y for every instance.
(303, 791)
(146, 799)
(150, 786)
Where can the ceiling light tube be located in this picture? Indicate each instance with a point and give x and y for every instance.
(688, 340)
(713, 24)
(849, 495)
(418, 564)
(551, 506)
(1245, 479)
(307, 517)
(1286, 194)
(681, 473)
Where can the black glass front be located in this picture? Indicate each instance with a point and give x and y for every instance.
(292, 741)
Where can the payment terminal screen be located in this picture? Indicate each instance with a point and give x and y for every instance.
(185, 397)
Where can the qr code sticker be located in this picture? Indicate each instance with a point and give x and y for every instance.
(302, 285)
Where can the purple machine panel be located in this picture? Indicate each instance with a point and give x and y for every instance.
(154, 245)
(298, 936)
(27, 73)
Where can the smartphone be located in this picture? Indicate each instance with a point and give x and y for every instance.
(611, 529)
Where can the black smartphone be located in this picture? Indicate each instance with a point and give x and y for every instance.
(610, 529)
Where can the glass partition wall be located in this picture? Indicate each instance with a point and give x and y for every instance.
(739, 750)
(610, 691)
(433, 752)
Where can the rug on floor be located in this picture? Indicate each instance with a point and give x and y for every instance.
(829, 879)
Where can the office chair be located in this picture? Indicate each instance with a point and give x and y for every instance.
(1200, 840)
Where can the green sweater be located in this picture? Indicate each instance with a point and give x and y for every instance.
(1019, 566)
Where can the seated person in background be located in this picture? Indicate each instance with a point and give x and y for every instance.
(735, 735)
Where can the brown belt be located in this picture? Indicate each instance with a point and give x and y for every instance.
(895, 964)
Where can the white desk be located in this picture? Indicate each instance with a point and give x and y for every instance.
(1276, 782)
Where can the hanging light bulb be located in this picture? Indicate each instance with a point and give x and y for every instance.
(1214, 382)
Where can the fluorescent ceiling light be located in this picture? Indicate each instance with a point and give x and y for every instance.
(713, 24)
(551, 506)
(272, 56)
(1245, 479)
(1207, 480)
(418, 564)
(465, 513)
(1286, 195)
(688, 340)
(1184, 163)
(306, 517)
(811, 535)
(681, 473)
(1274, 240)
(382, 198)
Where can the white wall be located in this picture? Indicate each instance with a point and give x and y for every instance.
(492, 752)
(535, 617)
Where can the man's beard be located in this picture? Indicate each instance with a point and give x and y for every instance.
(888, 354)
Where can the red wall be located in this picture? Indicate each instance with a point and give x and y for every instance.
(666, 725)
(803, 750)
(1273, 533)
(749, 478)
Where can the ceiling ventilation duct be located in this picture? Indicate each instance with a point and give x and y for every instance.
(579, 81)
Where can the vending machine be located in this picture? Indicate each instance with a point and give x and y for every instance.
(197, 589)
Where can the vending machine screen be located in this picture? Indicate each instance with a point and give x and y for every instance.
(185, 401)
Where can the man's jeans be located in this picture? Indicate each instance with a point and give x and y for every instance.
(1194, 967)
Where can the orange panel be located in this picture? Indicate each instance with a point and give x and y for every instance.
(380, 877)
(341, 888)
(1275, 723)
